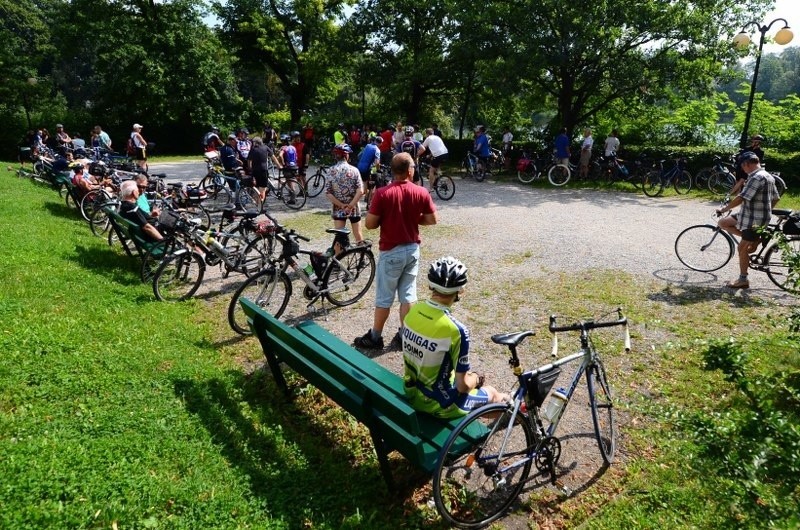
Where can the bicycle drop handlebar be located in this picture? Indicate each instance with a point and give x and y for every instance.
(586, 325)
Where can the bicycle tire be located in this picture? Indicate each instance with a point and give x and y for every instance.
(445, 187)
(682, 182)
(652, 186)
(316, 184)
(196, 211)
(349, 276)
(217, 196)
(154, 256)
(602, 405)
(528, 175)
(292, 194)
(720, 182)
(99, 222)
(558, 174)
(256, 255)
(702, 176)
(70, 200)
(780, 184)
(270, 289)
(779, 269)
(179, 276)
(248, 198)
(466, 487)
(704, 248)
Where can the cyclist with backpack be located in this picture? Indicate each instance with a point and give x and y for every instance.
(412, 147)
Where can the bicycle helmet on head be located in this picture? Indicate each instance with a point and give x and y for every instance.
(377, 139)
(341, 149)
(284, 138)
(447, 275)
(757, 137)
(409, 130)
(294, 134)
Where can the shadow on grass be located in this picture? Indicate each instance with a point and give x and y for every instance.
(106, 260)
(295, 455)
(60, 209)
(682, 295)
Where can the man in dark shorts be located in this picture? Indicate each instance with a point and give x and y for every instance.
(757, 198)
(258, 161)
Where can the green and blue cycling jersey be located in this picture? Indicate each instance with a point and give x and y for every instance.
(435, 346)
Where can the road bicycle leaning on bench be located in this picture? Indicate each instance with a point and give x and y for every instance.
(707, 247)
(485, 462)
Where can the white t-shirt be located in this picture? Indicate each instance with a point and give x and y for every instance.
(434, 145)
(612, 144)
(587, 144)
(508, 138)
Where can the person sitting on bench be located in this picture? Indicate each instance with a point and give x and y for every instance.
(437, 377)
(129, 194)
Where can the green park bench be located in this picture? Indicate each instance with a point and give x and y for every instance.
(133, 239)
(372, 394)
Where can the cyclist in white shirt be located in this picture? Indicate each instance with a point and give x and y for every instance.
(438, 152)
(612, 144)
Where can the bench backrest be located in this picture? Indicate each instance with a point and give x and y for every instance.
(133, 232)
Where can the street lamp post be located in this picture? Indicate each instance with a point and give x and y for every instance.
(742, 40)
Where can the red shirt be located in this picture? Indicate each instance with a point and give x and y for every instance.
(400, 205)
(299, 147)
(386, 144)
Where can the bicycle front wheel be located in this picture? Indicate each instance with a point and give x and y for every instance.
(602, 410)
(482, 467)
(651, 184)
(780, 269)
(349, 276)
(315, 184)
(270, 290)
(558, 175)
(217, 196)
(445, 187)
(179, 276)
(704, 248)
(256, 255)
(99, 222)
(682, 182)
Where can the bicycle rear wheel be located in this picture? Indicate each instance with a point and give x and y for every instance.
(529, 174)
(99, 222)
(292, 194)
(445, 187)
(474, 484)
(780, 269)
(248, 198)
(704, 248)
(720, 183)
(316, 184)
(652, 184)
(682, 182)
(602, 410)
(217, 196)
(270, 289)
(349, 276)
(558, 175)
(257, 254)
(179, 276)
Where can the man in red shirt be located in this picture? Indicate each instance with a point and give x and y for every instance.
(386, 145)
(302, 157)
(398, 209)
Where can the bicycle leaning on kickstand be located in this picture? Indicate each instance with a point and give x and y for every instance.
(342, 275)
(486, 460)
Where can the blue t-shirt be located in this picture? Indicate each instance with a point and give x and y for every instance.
(368, 157)
(562, 144)
(482, 146)
(228, 157)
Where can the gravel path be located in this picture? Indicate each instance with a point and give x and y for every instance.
(507, 232)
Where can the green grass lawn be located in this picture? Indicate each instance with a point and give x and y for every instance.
(119, 410)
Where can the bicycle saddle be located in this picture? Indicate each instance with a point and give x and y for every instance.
(511, 339)
(341, 231)
(781, 212)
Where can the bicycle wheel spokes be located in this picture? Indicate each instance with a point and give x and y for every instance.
(316, 184)
(217, 197)
(558, 175)
(482, 467)
(349, 276)
(270, 290)
(703, 248)
(652, 184)
(682, 182)
(445, 187)
(249, 199)
(780, 268)
(179, 276)
(292, 194)
(256, 255)
(602, 410)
